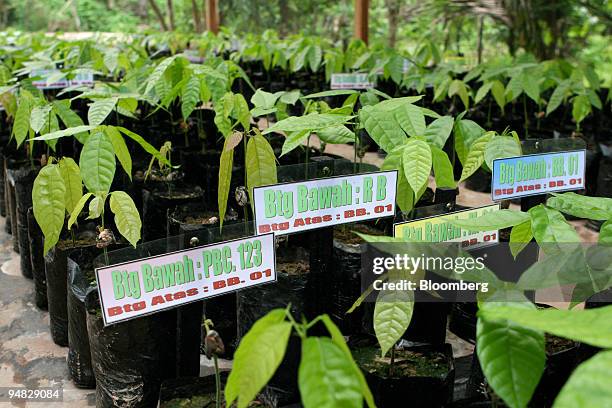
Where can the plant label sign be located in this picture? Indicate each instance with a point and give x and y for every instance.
(149, 285)
(351, 81)
(535, 174)
(288, 208)
(438, 229)
(55, 79)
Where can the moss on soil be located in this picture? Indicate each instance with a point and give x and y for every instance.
(408, 363)
(346, 233)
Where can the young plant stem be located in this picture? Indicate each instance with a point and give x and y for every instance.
(246, 210)
(307, 154)
(489, 115)
(217, 372)
(392, 362)
(104, 250)
(526, 125)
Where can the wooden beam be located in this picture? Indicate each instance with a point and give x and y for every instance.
(212, 16)
(361, 19)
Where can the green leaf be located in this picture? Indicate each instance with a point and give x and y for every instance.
(97, 163)
(392, 315)
(514, 88)
(290, 97)
(581, 108)
(71, 174)
(336, 135)
(557, 96)
(293, 140)
(241, 111)
(498, 92)
(48, 197)
(594, 208)
(443, 169)
(66, 132)
(520, 236)
(315, 56)
(326, 377)
(21, 123)
(382, 127)
(589, 384)
(144, 144)
(127, 218)
(259, 354)
(549, 227)
(120, 149)
(411, 119)
(96, 207)
(100, 109)
(416, 161)
(77, 209)
(482, 92)
(263, 99)
(475, 157)
(501, 147)
(69, 117)
(466, 133)
(158, 72)
(457, 87)
(530, 86)
(312, 122)
(260, 162)
(439, 130)
(605, 233)
(574, 324)
(338, 339)
(190, 96)
(404, 195)
(39, 116)
(333, 92)
(493, 220)
(512, 357)
(225, 177)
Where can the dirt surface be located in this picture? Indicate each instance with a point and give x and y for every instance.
(407, 363)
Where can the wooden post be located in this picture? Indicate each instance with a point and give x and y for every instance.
(212, 16)
(361, 19)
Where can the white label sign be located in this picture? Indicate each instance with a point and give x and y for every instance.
(351, 81)
(81, 78)
(149, 285)
(296, 207)
(538, 174)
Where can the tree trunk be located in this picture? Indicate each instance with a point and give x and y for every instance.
(170, 14)
(285, 17)
(159, 15)
(197, 22)
(393, 10)
(480, 30)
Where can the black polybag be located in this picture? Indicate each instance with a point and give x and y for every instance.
(37, 259)
(81, 280)
(24, 182)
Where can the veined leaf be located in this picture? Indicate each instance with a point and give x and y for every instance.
(259, 354)
(589, 384)
(498, 92)
(263, 99)
(405, 194)
(443, 169)
(71, 174)
(48, 203)
(392, 315)
(549, 227)
(127, 218)
(520, 236)
(293, 140)
(411, 119)
(482, 92)
(605, 233)
(96, 207)
(501, 147)
(69, 118)
(458, 88)
(476, 156)
(594, 208)
(382, 127)
(144, 144)
(336, 135)
(39, 116)
(241, 111)
(225, 177)
(333, 92)
(120, 149)
(416, 161)
(514, 88)
(157, 73)
(21, 123)
(439, 130)
(512, 356)
(66, 132)
(557, 96)
(493, 220)
(466, 133)
(260, 162)
(97, 163)
(531, 86)
(76, 211)
(312, 122)
(99, 110)
(572, 324)
(190, 96)
(326, 377)
(581, 108)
